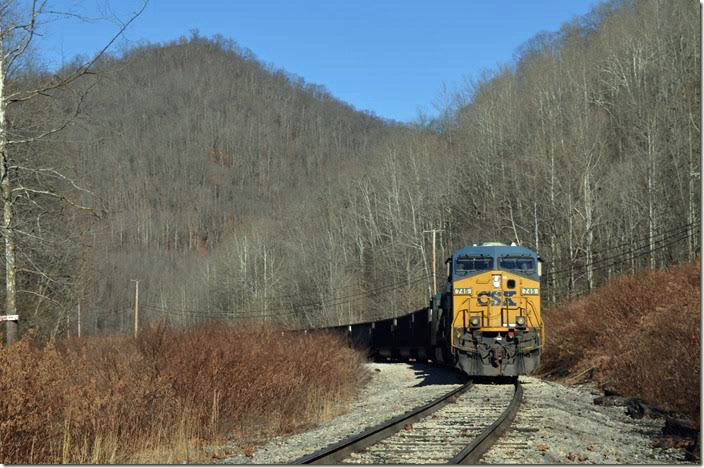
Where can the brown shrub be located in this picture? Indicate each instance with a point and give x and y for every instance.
(638, 333)
(109, 400)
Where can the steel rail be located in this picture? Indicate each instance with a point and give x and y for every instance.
(471, 454)
(335, 453)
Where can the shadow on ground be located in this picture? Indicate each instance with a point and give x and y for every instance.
(436, 375)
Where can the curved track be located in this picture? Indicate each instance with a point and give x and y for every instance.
(456, 428)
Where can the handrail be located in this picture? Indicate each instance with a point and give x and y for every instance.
(539, 321)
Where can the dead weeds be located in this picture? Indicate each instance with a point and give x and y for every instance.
(640, 334)
(157, 398)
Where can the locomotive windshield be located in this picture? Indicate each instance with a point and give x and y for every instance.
(525, 264)
(466, 264)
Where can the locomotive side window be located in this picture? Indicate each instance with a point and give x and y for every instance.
(517, 263)
(464, 265)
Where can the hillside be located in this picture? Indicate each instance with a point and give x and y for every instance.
(639, 334)
(233, 190)
(190, 144)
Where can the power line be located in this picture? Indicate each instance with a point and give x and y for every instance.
(294, 309)
(625, 244)
(625, 255)
(583, 291)
(682, 229)
(376, 251)
(336, 301)
(675, 235)
(300, 296)
(674, 240)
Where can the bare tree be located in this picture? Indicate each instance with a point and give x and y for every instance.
(18, 30)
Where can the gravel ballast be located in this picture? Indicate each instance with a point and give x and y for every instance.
(560, 424)
(392, 390)
(557, 424)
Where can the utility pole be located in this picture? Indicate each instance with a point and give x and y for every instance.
(79, 319)
(435, 281)
(136, 308)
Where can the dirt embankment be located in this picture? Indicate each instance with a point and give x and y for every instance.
(158, 398)
(638, 334)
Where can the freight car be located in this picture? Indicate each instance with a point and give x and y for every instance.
(486, 321)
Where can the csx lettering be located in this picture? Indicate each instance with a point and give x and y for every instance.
(495, 296)
(484, 297)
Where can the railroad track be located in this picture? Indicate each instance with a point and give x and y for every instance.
(457, 428)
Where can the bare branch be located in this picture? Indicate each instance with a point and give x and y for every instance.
(34, 293)
(21, 96)
(56, 174)
(30, 30)
(57, 196)
(62, 126)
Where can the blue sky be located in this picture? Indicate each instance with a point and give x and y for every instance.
(390, 57)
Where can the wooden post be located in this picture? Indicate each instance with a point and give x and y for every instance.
(433, 231)
(435, 281)
(136, 308)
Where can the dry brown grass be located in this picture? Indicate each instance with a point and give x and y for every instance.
(638, 333)
(160, 397)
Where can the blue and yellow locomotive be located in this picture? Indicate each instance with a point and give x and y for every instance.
(491, 310)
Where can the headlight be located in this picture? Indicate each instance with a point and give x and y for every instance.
(496, 279)
(520, 322)
(474, 322)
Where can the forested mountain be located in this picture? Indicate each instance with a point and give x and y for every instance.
(233, 190)
(590, 144)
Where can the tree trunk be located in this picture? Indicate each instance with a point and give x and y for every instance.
(588, 227)
(7, 226)
(651, 201)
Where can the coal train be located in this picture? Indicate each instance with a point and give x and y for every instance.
(486, 321)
